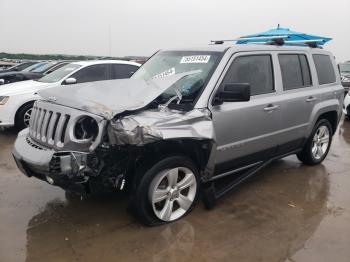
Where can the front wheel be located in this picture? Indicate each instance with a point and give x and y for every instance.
(167, 191)
(23, 116)
(318, 144)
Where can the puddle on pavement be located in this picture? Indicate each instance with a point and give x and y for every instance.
(270, 218)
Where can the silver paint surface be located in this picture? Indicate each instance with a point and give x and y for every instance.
(151, 125)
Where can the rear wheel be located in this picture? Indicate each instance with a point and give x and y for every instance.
(167, 191)
(23, 116)
(318, 144)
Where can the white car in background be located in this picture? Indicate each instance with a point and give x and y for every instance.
(346, 106)
(17, 99)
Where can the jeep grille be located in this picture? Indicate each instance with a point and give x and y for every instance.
(48, 126)
(51, 126)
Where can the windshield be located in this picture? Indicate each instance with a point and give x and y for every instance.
(21, 66)
(345, 68)
(32, 67)
(59, 74)
(167, 63)
(43, 68)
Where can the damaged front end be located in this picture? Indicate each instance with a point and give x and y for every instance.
(94, 147)
(113, 158)
(169, 132)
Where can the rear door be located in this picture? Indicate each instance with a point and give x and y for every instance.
(299, 97)
(247, 132)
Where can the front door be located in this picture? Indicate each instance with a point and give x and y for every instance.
(247, 132)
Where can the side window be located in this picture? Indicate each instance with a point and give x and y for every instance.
(324, 68)
(92, 73)
(255, 70)
(305, 68)
(295, 71)
(121, 71)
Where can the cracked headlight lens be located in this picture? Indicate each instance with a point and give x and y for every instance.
(3, 99)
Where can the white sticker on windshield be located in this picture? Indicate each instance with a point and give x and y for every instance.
(166, 73)
(195, 59)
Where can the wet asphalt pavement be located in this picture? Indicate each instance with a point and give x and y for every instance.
(287, 212)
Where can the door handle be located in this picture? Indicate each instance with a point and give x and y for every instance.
(311, 99)
(270, 107)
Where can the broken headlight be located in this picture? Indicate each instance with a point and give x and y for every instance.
(86, 128)
(3, 100)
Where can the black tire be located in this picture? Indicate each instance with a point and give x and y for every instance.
(141, 204)
(19, 121)
(306, 155)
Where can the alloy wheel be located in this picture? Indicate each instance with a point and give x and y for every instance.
(26, 117)
(172, 193)
(320, 142)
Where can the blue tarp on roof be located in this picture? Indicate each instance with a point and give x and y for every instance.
(279, 31)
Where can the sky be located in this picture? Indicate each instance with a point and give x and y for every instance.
(141, 27)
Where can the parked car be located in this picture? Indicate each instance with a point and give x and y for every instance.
(345, 75)
(187, 119)
(35, 71)
(17, 99)
(18, 67)
(346, 106)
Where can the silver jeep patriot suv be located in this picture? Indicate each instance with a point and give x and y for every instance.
(185, 122)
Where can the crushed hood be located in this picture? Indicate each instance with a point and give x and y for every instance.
(112, 97)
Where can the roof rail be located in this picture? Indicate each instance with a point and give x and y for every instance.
(273, 40)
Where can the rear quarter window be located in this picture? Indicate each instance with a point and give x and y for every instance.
(325, 69)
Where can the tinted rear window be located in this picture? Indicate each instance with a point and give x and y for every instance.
(295, 71)
(325, 69)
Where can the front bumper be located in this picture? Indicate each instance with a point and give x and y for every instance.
(346, 105)
(63, 169)
(6, 115)
(346, 86)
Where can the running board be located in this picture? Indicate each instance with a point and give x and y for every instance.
(211, 192)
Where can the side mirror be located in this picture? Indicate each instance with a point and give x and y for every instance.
(2, 82)
(232, 92)
(70, 81)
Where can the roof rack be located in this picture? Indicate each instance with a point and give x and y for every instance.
(273, 40)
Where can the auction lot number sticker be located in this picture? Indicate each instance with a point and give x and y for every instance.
(195, 59)
(166, 73)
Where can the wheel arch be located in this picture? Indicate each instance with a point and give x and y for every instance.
(20, 107)
(196, 150)
(332, 117)
(329, 110)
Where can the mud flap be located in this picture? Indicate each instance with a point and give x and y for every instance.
(209, 195)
